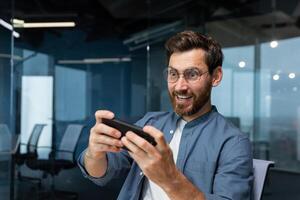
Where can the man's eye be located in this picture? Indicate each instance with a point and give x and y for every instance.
(172, 73)
(193, 74)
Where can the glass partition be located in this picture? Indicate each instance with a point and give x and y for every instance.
(7, 109)
(235, 95)
(129, 82)
(280, 106)
(61, 76)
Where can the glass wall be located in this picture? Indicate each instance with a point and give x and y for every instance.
(6, 99)
(273, 123)
(129, 82)
(279, 94)
(234, 97)
(61, 76)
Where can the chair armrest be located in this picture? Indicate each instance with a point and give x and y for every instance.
(32, 145)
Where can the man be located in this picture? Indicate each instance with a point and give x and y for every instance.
(199, 155)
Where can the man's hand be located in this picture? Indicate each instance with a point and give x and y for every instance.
(102, 139)
(156, 162)
(158, 165)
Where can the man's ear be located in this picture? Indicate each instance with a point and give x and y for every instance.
(217, 76)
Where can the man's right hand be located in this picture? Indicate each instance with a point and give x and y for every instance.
(102, 139)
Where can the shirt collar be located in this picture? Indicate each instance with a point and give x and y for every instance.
(196, 121)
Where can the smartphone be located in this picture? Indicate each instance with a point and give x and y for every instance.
(123, 127)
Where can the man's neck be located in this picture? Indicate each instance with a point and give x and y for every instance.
(205, 109)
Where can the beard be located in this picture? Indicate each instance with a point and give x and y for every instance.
(198, 101)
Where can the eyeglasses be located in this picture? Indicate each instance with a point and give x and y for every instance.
(190, 75)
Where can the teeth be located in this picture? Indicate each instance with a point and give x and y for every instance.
(183, 97)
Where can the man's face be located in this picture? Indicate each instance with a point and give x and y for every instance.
(190, 97)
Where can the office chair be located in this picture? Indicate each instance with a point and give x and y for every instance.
(59, 159)
(31, 153)
(260, 171)
(31, 146)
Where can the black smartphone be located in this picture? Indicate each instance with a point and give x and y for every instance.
(123, 127)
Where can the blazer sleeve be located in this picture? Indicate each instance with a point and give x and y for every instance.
(234, 175)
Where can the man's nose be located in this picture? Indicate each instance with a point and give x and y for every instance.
(181, 83)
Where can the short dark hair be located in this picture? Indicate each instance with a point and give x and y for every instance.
(188, 40)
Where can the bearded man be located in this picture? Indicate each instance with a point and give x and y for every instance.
(199, 155)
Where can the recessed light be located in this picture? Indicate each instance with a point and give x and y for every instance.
(273, 44)
(276, 77)
(292, 75)
(242, 64)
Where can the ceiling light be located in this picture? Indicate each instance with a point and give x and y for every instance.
(276, 77)
(273, 44)
(15, 57)
(292, 75)
(9, 27)
(104, 60)
(95, 60)
(22, 24)
(18, 21)
(242, 64)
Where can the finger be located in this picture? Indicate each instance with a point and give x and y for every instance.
(106, 148)
(101, 128)
(103, 114)
(156, 134)
(137, 158)
(133, 148)
(141, 143)
(103, 139)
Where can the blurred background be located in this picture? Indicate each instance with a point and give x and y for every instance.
(60, 61)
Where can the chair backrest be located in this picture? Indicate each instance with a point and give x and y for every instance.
(69, 141)
(260, 170)
(5, 138)
(34, 138)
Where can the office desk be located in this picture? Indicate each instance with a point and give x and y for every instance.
(8, 149)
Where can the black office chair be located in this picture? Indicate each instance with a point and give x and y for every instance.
(31, 146)
(59, 159)
(31, 152)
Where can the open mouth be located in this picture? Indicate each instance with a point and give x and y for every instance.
(183, 97)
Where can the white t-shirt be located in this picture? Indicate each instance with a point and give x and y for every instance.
(151, 191)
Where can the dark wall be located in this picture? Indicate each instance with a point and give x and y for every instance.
(111, 88)
(72, 44)
(5, 100)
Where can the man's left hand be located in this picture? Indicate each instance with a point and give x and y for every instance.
(157, 161)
